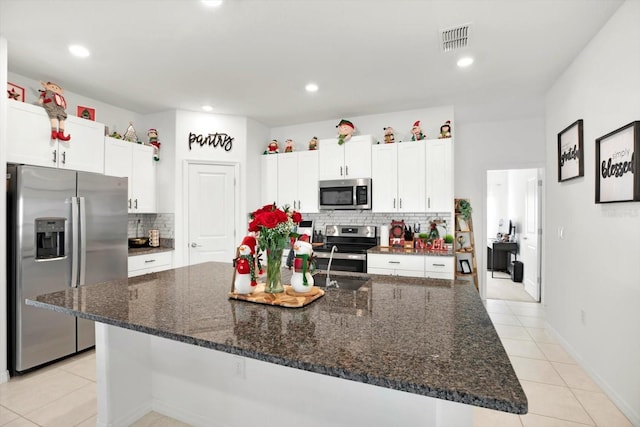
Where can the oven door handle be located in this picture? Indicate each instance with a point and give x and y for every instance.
(338, 255)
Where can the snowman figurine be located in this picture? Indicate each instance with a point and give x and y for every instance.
(301, 279)
(245, 281)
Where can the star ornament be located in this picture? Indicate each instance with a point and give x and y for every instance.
(13, 94)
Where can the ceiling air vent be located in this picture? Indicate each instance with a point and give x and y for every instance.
(455, 38)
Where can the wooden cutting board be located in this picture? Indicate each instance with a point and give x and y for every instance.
(289, 298)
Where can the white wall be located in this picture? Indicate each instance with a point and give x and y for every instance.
(497, 209)
(494, 145)
(595, 269)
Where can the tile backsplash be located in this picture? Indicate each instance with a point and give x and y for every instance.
(162, 222)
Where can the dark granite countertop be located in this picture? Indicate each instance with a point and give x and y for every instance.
(148, 250)
(403, 251)
(425, 336)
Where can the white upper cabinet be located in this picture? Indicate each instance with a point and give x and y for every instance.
(269, 181)
(439, 171)
(298, 180)
(134, 161)
(29, 140)
(347, 161)
(398, 177)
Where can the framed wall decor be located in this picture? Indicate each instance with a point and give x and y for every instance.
(86, 113)
(571, 152)
(617, 169)
(15, 92)
(465, 267)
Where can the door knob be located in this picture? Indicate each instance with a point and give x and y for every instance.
(194, 245)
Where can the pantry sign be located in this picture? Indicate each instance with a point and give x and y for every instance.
(617, 178)
(213, 140)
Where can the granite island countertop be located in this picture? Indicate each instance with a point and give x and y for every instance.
(424, 336)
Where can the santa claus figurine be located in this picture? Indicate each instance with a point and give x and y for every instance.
(245, 281)
(345, 130)
(301, 279)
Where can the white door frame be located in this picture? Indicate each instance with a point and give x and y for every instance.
(185, 199)
(541, 225)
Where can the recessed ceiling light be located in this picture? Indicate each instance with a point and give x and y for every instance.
(207, 108)
(465, 61)
(212, 3)
(311, 87)
(79, 51)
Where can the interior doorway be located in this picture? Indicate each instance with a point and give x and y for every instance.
(514, 230)
(212, 206)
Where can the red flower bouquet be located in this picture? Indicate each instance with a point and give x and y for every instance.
(273, 226)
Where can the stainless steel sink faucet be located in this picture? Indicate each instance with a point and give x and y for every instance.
(330, 282)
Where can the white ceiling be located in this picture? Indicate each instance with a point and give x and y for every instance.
(254, 57)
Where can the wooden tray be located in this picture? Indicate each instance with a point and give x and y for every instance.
(289, 298)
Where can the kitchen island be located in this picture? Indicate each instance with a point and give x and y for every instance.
(397, 351)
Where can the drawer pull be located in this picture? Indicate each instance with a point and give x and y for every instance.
(438, 265)
(149, 260)
(394, 262)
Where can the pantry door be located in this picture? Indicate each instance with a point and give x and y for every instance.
(530, 240)
(212, 205)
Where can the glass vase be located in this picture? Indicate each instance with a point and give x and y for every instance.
(274, 261)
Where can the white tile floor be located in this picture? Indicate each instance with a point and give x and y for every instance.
(560, 393)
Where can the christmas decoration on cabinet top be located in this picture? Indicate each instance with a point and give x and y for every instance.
(289, 146)
(53, 102)
(153, 141)
(345, 130)
(389, 136)
(445, 130)
(272, 147)
(313, 144)
(416, 132)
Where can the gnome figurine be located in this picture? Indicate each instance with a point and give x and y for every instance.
(445, 130)
(345, 130)
(153, 141)
(245, 281)
(301, 278)
(53, 102)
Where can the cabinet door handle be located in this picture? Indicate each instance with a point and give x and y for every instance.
(64, 157)
(299, 205)
(400, 202)
(346, 170)
(394, 203)
(129, 203)
(428, 202)
(340, 170)
(55, 157)
(135, 204)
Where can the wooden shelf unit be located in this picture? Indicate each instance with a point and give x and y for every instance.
(465, 247)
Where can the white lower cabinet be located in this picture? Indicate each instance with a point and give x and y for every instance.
(435, 267)
(439, 267)
(150, 263)
(396, 265)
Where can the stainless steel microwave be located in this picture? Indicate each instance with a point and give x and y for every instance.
(345, 194)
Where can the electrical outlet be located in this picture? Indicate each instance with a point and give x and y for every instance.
(241, 370)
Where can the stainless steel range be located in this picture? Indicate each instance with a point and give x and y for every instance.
(351, 242)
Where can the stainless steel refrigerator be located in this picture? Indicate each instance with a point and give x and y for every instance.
(65, 229)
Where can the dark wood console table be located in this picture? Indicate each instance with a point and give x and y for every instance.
(499, 253)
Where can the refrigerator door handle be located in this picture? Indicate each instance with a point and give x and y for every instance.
(74, 242)
(83, 240)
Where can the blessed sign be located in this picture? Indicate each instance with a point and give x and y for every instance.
(617, 179)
